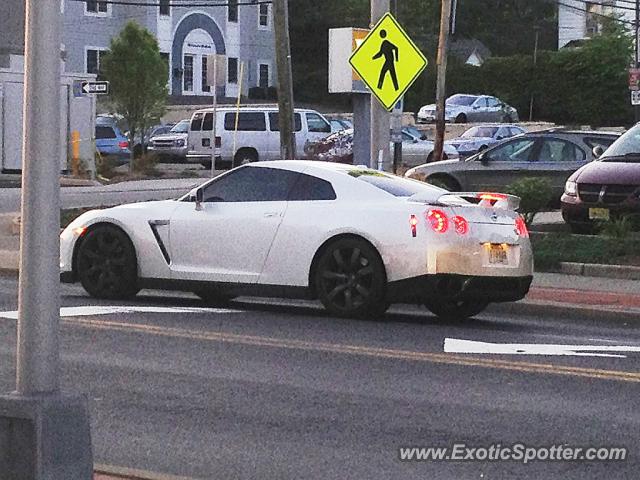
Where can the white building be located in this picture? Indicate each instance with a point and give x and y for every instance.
(580, 19)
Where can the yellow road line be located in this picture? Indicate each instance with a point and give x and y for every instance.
(440, 358)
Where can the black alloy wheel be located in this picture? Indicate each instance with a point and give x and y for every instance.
(106, 264)
(350, 279)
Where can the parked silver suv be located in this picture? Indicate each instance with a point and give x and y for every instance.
(172, 144)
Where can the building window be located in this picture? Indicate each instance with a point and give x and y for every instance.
(97, 6)
(232, 70)
(232, 14)
(93, 60)
(165, 57)
(263, 15)
(205, 75)
(165, 8)
(263, 75)
(188, 73)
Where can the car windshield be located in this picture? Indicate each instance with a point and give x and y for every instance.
(480, 132)
(396, 186)
(626, 148)
(464, 100)
(181, 127)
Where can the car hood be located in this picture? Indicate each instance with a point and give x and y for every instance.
(623, 173)
(171, 136)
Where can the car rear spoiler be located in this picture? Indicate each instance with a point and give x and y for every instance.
(502, 201)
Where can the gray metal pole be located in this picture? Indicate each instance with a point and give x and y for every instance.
(637, 32)
(535, 62)
(39, 297)
(396, 119)
(285, 80)
(380, 118)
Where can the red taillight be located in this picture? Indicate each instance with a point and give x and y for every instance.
(413, 222)
(461, 225)
(521, 228)
(123, 145)
(438, 220)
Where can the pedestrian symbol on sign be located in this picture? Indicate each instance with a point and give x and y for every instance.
(390, 52)
(387, 61)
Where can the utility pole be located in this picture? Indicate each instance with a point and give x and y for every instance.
(285, 79)
(396, 119)
(43, 434)
(380, 119)
(443, 47)
(637, 32)
(535, 62)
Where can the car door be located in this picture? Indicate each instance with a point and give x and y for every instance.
(414, 151)
(501, 165)
(478, 112)
(229, 238)
(274, 126)
(555, 160)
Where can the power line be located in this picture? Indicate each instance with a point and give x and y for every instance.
(608, 5)
(601, 15)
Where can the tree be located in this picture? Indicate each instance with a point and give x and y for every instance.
(138, 78)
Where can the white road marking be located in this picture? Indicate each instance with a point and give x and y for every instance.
(454, 345)
(91, 310)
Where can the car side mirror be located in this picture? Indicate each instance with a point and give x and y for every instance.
(484, 159)
(598, 150)
(415, 140)
(199, 199)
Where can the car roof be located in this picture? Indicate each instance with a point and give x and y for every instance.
(260, 108)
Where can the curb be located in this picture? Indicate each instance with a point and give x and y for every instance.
(593, 313)
(621, 272)
(111, 472)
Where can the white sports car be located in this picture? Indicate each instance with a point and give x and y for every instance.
(355, 238)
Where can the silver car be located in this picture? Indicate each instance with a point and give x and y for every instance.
(463, 108)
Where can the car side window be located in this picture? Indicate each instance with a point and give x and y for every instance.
(556, 150)
(481, 102)
(599, 142)
(493, 102)
(309, 188)
(196, 122)
(503, 132)
(317, 124)
(274, 118)
(407, 138)
(247, 121)
(103, 132)
(513, 151)
(251, 184)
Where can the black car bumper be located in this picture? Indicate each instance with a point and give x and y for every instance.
(462, 287)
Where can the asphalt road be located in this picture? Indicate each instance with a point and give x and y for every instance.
(276, 391)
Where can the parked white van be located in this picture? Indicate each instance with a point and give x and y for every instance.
(253, 130)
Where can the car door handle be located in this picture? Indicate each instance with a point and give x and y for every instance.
(271, 214)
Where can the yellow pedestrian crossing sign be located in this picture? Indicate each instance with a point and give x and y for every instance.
(388, 61)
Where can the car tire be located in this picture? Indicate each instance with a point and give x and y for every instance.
(449, 309)
(350, 279)
(507, 119)
(444, 181)
(244, 156)
(106, 264)
(461, 118)
(212, 298)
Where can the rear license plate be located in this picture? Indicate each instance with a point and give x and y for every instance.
(599, 214)
(498, 254)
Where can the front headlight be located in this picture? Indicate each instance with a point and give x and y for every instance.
(179, 143)
(571, 188)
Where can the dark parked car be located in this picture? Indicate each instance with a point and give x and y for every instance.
(607, 188)
(553, 154)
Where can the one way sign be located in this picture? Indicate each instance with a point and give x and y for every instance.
(99, 88)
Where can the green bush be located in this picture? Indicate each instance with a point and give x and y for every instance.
(535, 194)
(104, 166)
(146, 164)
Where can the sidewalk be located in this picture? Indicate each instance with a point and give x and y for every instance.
(109, 472)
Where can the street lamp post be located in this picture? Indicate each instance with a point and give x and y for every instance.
(43, 434)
